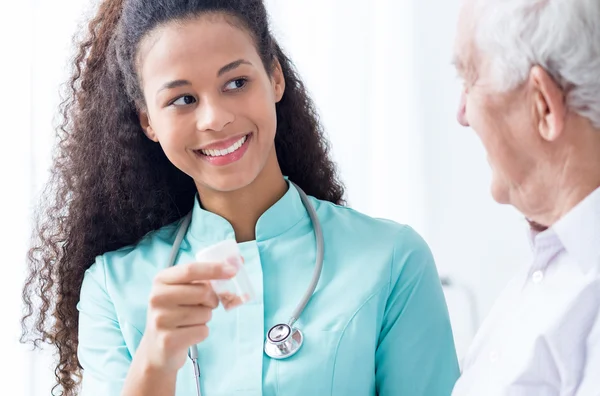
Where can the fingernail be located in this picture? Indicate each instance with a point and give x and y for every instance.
(229, 269)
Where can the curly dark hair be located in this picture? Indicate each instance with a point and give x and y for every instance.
(110, 185)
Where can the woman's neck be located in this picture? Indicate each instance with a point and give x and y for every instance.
(242, 208)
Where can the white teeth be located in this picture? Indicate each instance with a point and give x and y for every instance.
(228, 150)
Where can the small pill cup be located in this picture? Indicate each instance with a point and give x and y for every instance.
(231, 292)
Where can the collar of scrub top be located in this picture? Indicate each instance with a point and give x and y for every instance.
(579, 232)
(288, 211)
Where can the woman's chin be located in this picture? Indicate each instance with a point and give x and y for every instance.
(225, 183)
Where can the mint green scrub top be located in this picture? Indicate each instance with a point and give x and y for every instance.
(377, 323)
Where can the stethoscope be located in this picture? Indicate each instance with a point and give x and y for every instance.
(283, 340)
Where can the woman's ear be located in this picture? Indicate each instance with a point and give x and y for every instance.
(146, 126)
(278, 80)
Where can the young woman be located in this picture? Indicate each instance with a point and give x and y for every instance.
(191, 106)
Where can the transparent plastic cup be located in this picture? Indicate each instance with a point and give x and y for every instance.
(231, 292)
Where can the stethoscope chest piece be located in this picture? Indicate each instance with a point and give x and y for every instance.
(283, 341)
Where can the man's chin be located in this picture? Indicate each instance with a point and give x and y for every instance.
(500, 192)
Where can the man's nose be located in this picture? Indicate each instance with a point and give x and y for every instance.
(461, 116)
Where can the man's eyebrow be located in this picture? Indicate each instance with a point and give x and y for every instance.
(457, 63)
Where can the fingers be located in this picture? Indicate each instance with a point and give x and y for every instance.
(202, 293)
(188, 273)
(181, 338)
(181, 317)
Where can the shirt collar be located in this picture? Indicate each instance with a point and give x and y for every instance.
(579, 231)
(209, 227)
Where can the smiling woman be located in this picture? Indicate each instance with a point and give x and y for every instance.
(198, 105)
(214, 122)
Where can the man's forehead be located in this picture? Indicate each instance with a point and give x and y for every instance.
(463, 56)
(466, 19)
(464, 51)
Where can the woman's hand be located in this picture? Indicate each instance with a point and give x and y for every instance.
(181, 305)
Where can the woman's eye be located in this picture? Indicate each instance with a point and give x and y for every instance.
(236, 84)
(184, 100)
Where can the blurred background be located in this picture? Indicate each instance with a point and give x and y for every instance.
(380, 74)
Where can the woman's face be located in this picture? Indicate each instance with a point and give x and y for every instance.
(210, 103)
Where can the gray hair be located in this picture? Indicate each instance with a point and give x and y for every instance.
(562, 36)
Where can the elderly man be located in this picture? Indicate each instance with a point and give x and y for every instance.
(531, 71)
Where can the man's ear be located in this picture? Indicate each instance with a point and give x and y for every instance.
(549, 108)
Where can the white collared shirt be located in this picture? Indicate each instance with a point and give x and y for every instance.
(542, 337)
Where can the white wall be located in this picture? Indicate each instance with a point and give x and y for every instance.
(53, 24)
(15, 167)
(476, 241)
(380, 74)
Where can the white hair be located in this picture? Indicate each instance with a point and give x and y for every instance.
(561, 36)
